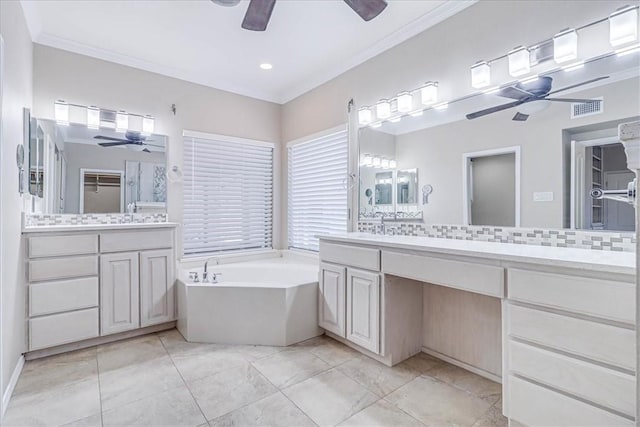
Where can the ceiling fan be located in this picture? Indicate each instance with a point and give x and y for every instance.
(132, 138)
(259, 11)
(536, 92)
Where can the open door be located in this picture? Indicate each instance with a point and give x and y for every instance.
(578, 151)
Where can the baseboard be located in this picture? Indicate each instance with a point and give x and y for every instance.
(6, 397)
(463, 365)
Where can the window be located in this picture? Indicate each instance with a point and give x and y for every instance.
(317, 201)
(228, 194)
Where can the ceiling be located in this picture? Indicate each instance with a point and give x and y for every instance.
(308, 42)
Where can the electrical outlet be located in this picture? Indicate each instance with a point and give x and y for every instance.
(543, 196)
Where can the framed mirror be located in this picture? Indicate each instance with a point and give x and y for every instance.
(75, 169)
(564, 150)
(384, 188)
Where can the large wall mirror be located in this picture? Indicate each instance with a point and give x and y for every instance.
(78, 170)
(532, 165)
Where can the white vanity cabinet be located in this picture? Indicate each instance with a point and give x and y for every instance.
(331, 300)
(363, 309)
(87, 284)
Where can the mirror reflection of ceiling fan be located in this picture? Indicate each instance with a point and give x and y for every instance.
(259, 11)
(131, 138)
(532, 97)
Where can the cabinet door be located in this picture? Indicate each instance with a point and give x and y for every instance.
(157, 301)
(119, 289)
(331, 298)
(363, 309)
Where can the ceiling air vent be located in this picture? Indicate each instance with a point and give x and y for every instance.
(582, 109)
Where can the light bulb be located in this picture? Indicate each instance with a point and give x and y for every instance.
(405, 102)
(383, 109)
(122, 121)
(93, 117)
(429, 93)
(148, 124)
(519, 61)
(61, 112)
(565, 46)
(623, 26)
(364, 115)
(480, 75)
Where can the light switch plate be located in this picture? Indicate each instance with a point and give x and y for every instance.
(543, 196)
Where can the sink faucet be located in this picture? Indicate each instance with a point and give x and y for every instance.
(205, 274)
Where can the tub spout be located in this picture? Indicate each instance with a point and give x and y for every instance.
(205, 274)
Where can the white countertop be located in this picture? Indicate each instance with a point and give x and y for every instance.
(584, 259)
(99, 227)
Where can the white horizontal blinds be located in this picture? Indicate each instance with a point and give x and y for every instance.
(228, 195)
(317, 201)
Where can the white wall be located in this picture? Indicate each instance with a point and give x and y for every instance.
(16, 94)
(80, 79)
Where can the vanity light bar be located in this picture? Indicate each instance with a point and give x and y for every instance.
(95, 119)
(148, 124)
(627, 50)
(565, 46)
(383, 109)
(480, 75)
(122, 121)
(365, 116)
(405, 102)
(61, 112)
(429, 93)
(574, 66)
(623, 26)
(519, 61)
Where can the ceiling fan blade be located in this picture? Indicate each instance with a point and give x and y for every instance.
(113, 144)
(579, 84)
(146, 150)
(493, 110)
(108, 138)
(520, 117)
(513, 92)
(258, 15)
(582, 101)
(367, 9)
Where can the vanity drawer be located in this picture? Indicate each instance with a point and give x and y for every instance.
(606, 387)
(63, 268)
(533, 405)
(597, 341)
(49, 246)
(353, 256)
(57, 329)
(600, 298)
(478, 278)
(136, 240)
(63, 295)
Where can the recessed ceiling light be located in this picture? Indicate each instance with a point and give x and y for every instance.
(266, 66)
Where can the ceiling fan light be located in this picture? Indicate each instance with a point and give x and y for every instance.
(429, 93)
(364, 116)
(148, 124)
(534, 106)
(405, 102)
(480, 75)
(519, 61)
(61, 112)
(383, 109)
(93, 117)
(565, 46)
(623, 26)
(122, 121)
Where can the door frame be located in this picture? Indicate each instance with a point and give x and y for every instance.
(577, 199)
(467, 177)
(105, 171)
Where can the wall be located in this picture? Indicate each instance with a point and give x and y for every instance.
(16, 93)
(80, 79)
(438, 151)
(88, 156)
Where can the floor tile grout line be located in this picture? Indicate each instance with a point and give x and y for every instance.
(402, 410)
(184, 381)
(99, 388)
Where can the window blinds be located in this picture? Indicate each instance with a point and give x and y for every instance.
(228, 194)
(317, 201)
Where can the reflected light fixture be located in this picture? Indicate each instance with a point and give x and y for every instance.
(441, 106)
(395, 119)
(480, 75)
(122, 121)
(148, 124)
(375, 125)
(405, 102)
(623, 26)
(383, 109)
(376, 162)
(628, 50)
(93, 117)
(565, 46)
(429, 93)
(364, 115)
(519, 61)
(61, 112)
(367, 160)
(416, 113)
(384, 163)
(574, 66)
(393, 164)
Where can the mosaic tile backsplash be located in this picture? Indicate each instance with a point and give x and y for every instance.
(595, 240)
(46, 220)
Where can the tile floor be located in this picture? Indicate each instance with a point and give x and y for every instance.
(161, 380)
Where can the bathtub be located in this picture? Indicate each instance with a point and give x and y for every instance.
(262, 302)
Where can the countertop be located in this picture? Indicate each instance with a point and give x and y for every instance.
(584, 259)
(99, 227)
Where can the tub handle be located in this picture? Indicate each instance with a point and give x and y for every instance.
(193, 276)
(215, 277)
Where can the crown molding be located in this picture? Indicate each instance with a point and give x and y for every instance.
(308, 83)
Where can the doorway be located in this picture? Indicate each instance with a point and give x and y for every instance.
(492, 187)
(101, 191)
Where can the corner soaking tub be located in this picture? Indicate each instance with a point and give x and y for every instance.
(265, 302)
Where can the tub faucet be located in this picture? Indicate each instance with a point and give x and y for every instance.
(205, 274)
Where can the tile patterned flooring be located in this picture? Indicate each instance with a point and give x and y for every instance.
(162, 380)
